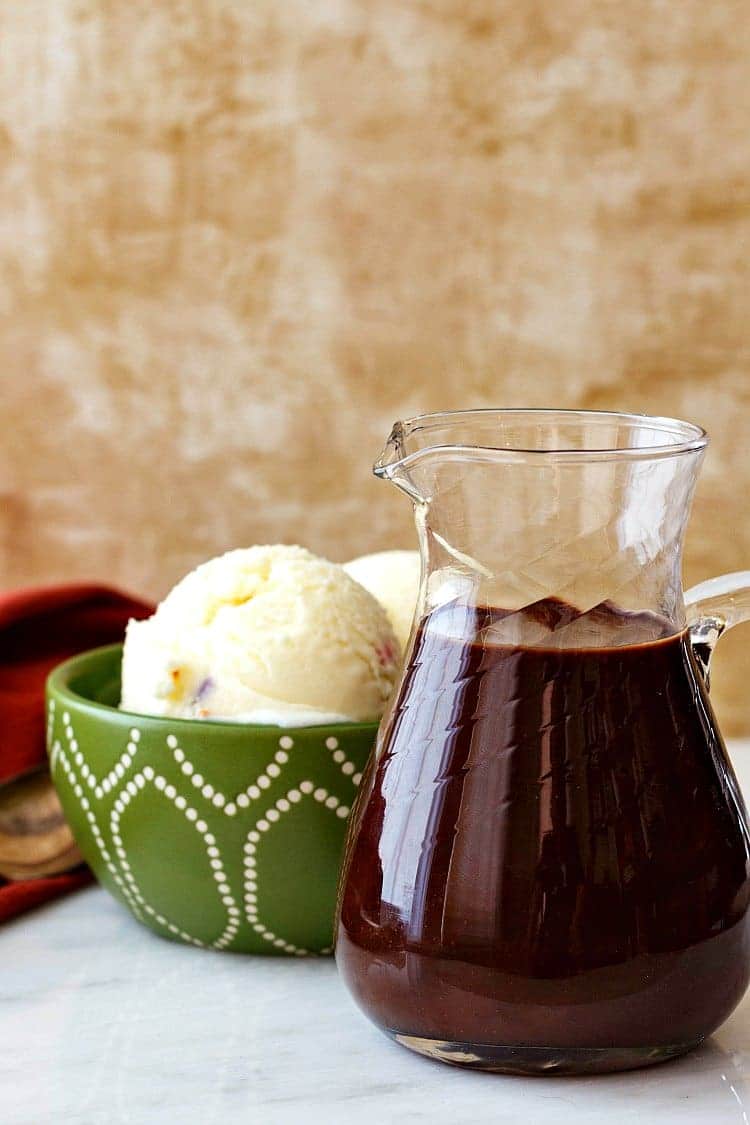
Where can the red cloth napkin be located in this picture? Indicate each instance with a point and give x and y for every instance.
(38, 629)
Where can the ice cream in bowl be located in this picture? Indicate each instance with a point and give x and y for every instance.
(208, 767)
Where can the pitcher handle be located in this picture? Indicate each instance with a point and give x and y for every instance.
(712, 607)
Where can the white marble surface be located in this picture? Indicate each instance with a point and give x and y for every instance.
(101, 1022)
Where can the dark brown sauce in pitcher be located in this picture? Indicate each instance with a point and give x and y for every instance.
(548, 865)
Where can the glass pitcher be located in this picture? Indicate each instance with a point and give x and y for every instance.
(547, 868)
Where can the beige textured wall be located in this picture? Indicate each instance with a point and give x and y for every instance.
(237, 239)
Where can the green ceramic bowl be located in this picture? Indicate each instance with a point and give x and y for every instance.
(224, 835)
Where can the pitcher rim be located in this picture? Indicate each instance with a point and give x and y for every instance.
(689, 438)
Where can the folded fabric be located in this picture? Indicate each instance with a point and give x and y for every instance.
(38, 629)
(17, 898)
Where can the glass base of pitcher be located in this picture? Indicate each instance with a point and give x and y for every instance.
(541, 1060)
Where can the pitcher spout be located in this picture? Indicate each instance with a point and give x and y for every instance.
(389, 460)
(395, 462)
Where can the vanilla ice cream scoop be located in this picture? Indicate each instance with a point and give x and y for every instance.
(393, 578)
(266, 635)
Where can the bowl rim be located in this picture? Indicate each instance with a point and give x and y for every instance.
(58, 682)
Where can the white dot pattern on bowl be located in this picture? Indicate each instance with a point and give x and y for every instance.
(348, 768)
(233, 914)
(117, 772)
(263, 825)
(58, 756)
(119, 866)
(263, 781)
(124, 878)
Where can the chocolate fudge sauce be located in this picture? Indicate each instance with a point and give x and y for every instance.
(549, 849)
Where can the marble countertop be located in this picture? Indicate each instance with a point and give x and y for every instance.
(102, 1023)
